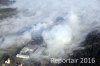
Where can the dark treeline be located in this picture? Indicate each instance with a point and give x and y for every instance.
(6, 2)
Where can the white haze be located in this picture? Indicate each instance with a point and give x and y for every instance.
(63, 24)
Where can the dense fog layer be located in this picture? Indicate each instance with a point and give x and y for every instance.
(63, 24)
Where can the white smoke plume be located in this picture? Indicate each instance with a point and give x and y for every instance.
(63, 24)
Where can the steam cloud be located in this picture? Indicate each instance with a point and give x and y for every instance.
(63, 24)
